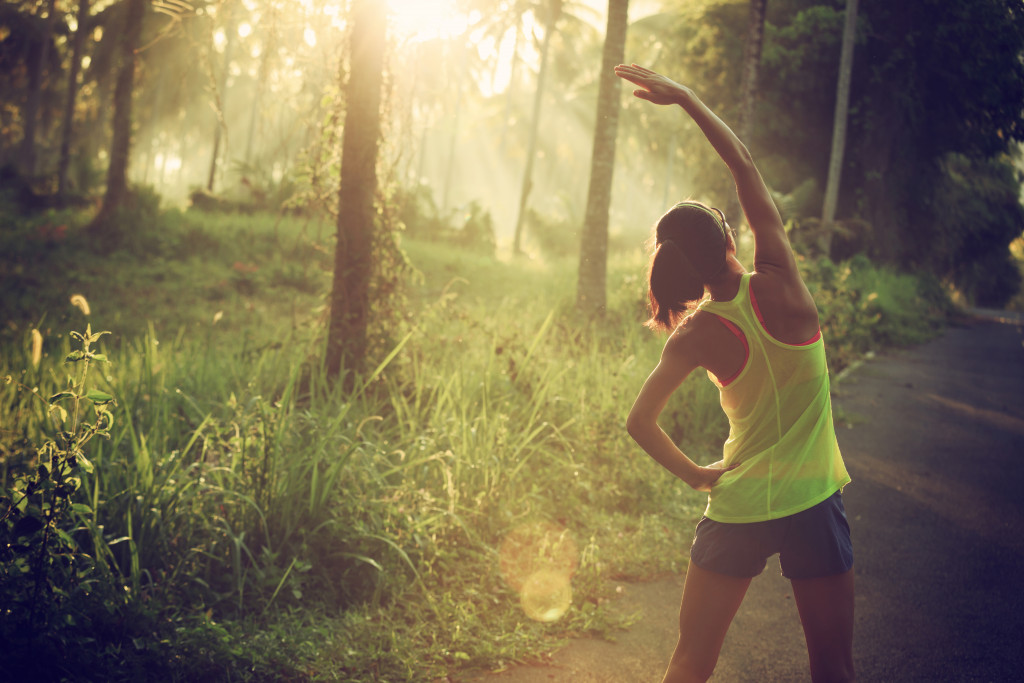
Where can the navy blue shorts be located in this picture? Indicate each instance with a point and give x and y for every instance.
(811, 544)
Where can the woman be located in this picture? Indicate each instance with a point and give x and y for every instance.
(778, 487)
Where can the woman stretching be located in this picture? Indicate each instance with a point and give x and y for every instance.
(778, 487)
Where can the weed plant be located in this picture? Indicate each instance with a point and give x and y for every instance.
(257, 522)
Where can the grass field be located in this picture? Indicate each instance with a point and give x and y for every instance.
(241, 518)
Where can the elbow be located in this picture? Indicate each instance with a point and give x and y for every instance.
(634, 426)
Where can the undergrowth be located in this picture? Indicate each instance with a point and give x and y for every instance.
(466, 505)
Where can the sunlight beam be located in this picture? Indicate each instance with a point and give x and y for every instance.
(418, 20)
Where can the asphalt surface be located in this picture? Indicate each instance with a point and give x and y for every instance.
(934, 440)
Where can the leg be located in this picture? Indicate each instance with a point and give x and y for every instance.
(710, 601)
(826, 612)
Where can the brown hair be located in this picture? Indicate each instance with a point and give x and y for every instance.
(690, 246)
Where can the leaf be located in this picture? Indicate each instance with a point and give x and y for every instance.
(102, 357)
(97, 396)
(62, 415)
(60, 396)
(26, 526)
(84, 463)
(74, 357)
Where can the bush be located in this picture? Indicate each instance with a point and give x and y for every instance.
(864, 307)
(470, 227)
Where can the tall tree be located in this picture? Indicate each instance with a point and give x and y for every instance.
(120, 144)
(751, 68)
(835, 164)
(220, 93)
(590, 287)
(67, 129)
(751, 65)
(36, 74)
(353, 256)
(553, 11)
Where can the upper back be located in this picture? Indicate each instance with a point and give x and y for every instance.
(785, 306)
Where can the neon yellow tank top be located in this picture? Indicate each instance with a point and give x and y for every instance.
(781, 432)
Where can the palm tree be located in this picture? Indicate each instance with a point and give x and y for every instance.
(120, 144)
(353, 265)
(590, 289)
(220, 94)
(835, 163)
(552, 13)
(751, 66)
(67, 130)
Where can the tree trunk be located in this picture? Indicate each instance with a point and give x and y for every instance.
(120, 144)
(67, 130)
(590, 289)
(353, 266)
(220, 97)
(554, 8)
(835, 164)
(510, 91)
(751, 67)
(40, 56)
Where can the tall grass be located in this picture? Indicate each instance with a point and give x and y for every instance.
(240, 484)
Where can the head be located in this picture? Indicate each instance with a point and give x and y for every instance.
(692, 243)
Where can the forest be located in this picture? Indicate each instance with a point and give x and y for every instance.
(320, 319)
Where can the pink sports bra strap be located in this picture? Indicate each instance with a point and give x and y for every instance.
(731, 326)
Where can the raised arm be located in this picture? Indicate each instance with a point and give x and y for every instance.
(771, 245)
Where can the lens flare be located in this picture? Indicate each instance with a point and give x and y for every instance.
(538, 561)
(546, 595)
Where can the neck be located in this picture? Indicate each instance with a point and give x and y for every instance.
(727, 283)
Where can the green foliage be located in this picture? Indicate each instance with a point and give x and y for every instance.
(556, 236)
(128, 227)
(268, 525)
(909, 139)
(53, 556)
(977, 215)
(470, 227)
(863, 307)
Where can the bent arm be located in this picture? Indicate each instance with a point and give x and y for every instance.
(642, 423)
(771, 245)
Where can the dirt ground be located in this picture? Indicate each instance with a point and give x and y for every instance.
(934, 440)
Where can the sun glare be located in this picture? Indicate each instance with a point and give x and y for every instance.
(426, 19)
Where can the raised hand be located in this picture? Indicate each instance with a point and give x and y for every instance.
(654, 87)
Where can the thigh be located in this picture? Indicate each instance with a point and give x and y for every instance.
(826, 612)
(710, 601)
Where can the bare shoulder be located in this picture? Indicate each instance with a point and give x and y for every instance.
(690, 338)
(779, 283)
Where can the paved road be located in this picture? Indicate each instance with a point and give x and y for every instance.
(934, 440)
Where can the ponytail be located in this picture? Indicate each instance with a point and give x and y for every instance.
(674, 285)
(691, 245)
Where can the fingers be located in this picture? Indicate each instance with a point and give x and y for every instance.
(633, 70)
